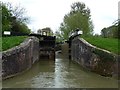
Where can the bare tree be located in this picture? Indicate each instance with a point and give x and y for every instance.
(18, 12)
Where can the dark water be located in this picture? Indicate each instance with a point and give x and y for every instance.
(60, 73)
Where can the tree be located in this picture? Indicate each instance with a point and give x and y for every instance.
(13, 19)
(59, 37)
(18, 12)
(119, 28)
(79, 17)
(80, 7)
(110, 32)
(20, 27)
(6, 18)
(83, 17)
(104, 32)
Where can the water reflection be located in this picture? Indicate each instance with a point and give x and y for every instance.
(60, 73)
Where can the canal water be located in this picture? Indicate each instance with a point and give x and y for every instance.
(60, 73)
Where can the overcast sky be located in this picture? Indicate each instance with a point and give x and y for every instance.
(50, 13)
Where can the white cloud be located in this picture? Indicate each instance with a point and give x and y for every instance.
(104, 12)
(50, 13)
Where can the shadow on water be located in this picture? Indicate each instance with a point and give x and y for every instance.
(59, 73)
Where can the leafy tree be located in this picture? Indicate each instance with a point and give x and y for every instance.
(59, 37)
(24, 28)
(18, 12)
(19, 27)
(110, 32)
(80, 7)
(82, 17)
(104, 32)
(6, 18)
(119, 29)
(79, 17)
(13, 19)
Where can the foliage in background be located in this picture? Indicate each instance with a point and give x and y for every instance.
(119, 29)
(6, 18)
(14, 19)
(78, 17)
(111, 31)
(9, 42)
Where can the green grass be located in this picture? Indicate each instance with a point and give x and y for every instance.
(109, 44)
(9, 42)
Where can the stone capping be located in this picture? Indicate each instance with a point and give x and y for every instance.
(26, 54)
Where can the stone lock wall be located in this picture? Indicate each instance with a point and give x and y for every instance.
(20, 58)
(95, 59)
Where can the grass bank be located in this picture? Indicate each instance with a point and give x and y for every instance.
(9, 42)
(109, 44)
